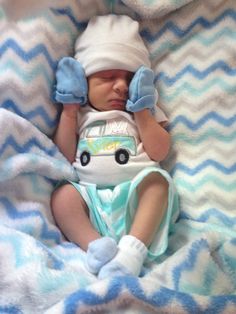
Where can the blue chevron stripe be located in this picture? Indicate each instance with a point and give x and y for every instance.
(50, 283)
(70, 251)
(209, 275)
(26, 147)
(160, 298)
(21, 259)
(190, 261)
(163, 297)
(200, 75)
(11, 309)
(57, 26)
(27, 56)
(39, 111)
(221, 183)
(212, 115)
(228, 221)
(68, 12)
(205, 164)
(54, 262)
(37, 187)
(230, 262)
(27, 76)
(16, 214)
(205, 41)
(180, 33)
(218, 304)
(18, 245)
(205, 136)
(188, 87)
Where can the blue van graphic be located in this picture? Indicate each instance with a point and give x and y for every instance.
(96, 141)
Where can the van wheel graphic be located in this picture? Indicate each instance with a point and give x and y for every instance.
(122, 156)
(84, 158)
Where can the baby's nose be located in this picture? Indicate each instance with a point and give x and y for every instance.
(121, 85)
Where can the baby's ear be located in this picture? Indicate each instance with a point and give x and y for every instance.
(17, 9)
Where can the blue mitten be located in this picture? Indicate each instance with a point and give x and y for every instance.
(142, 92)
(71, 86)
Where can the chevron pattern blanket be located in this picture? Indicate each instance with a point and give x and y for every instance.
(193, 48)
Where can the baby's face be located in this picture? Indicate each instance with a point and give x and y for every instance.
(108, 90)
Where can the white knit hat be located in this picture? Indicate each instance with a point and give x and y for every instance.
(111, 42)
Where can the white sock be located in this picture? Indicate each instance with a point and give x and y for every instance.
(128, 260)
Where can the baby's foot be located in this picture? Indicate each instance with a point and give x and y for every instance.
(128, 261)
(112, 269)
(100, 252)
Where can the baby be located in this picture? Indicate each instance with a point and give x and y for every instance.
(112, 132)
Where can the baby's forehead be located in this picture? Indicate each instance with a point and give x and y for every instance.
(114, 72)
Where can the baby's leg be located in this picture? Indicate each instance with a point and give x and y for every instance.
(153, 199)
(152, 204)
(71, 215)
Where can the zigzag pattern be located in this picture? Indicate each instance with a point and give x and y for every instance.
(160, 299)
(180, 33)
(193, 56)
(200, 75)
(219, 182)
(197, 152)
(17, 94)
(34, 63)
(39, 111)
(28, 55)
(188, 88)
(14, 213)
(215, 197)
(26, 147)
(179, 59)
(28, 76)
(212, 212)
(195, 39)
(68, 13)
(20, 34)
(199, 108)
(21, 259)
(209, 117)
(189, 263)
(210, 133)
(205, 164)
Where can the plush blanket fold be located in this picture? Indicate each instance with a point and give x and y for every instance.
(192, 46)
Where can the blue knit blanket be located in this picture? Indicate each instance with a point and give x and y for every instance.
(193, 48)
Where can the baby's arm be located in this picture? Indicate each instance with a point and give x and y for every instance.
(66, 134)
(71, 90)
(142, 100)
(156, 140)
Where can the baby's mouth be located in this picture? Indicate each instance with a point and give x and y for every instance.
(120, 103)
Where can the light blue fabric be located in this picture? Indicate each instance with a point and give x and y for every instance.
(112, 209)
(100, 252)
(71, 82)
(113, 269)
(142, 92)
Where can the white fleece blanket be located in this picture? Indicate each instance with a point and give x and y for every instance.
(192, 46)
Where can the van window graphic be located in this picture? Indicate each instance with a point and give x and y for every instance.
(97, 140)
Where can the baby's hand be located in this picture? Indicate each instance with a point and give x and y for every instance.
(142, 92)
(71, 85)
